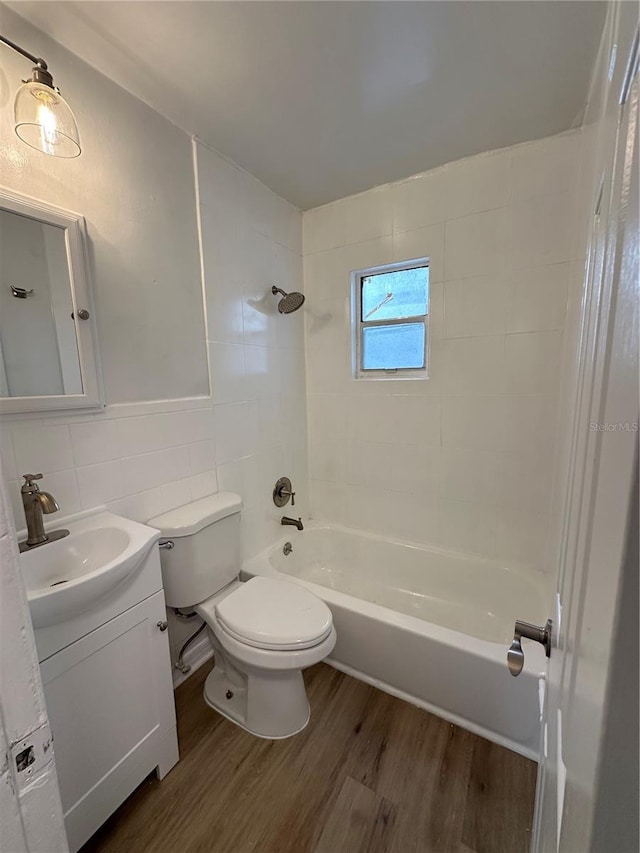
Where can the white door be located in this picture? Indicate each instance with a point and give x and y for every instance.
(598, 523)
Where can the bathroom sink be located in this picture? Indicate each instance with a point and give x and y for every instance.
(67, 576)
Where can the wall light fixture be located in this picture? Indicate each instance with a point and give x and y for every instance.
(43, 119)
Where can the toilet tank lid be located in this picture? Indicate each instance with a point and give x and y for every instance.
(190, 518)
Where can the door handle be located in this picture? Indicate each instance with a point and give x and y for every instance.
(515, 655)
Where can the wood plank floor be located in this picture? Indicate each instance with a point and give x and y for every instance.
(370, 774)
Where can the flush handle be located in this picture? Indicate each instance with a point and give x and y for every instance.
(515, 655)
(162, 625)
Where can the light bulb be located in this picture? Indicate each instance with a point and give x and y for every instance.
(45, 121)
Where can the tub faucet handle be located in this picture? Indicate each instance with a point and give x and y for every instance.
(515, 655)
(282, 491)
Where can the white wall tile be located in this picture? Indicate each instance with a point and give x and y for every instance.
(149, 470)
(368, 216)
(402, 419)
(7, 458)
(328, 501)
(227, 372)
(541, 230)
(476, 245)
(327, 460)
(269, 421)
(96, 441)
(524, 481)
(232, 432)
(289, 371)
(202, 485)
(260, 206)
(414, 469)
(224, 311)
(474, 365)
(470, 475)
(532, 362)
(192, 425)
(324, 228)
(475, 306)
(477, 184)
(420, 201)
(422, 243)
(547, 166)
(538, 298)
(368, 463)
(42, 449)
(261, 379)
(529, 424)
(329, 328)
(202, 456)
(473, 422)
(328, 416)
(287, 225)
(417, 419)
(99, 484)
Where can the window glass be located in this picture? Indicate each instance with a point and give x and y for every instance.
(392, 347)
(393, 295)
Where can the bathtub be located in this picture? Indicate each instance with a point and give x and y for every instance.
(427, 625)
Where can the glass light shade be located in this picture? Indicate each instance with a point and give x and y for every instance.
(45, 121)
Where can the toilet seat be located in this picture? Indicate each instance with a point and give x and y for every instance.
(271, 614)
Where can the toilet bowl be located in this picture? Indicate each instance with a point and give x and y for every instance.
(264, 631)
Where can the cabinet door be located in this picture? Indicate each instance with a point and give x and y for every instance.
(110, 702)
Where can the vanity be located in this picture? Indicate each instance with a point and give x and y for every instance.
(98, 611)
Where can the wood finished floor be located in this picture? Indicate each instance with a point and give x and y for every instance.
(370, 774)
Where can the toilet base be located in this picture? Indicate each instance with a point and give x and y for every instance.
(270, 704)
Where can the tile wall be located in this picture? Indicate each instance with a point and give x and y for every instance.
(143, 459)
(464, 459)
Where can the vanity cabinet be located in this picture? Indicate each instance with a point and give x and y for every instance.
(109, 697)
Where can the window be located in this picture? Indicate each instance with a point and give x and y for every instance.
(391, 307)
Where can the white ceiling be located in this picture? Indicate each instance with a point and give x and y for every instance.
(323, 99)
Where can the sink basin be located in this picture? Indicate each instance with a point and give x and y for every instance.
(66, 577)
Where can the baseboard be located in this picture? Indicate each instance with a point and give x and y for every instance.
(199, 652)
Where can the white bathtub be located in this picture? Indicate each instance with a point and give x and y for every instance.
(429, 626)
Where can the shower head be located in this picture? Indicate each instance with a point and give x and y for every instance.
(290, 302)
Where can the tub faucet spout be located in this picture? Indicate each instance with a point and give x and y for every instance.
(293, 522)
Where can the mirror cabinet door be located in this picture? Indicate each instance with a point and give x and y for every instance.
(47, 342)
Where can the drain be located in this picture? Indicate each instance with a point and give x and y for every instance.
(57, 583)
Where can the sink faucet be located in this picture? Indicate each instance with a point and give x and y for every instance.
(36, 503)
(293, 522)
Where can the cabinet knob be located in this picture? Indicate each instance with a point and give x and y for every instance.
(162, 625)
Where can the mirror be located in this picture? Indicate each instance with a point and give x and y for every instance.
(47, 341)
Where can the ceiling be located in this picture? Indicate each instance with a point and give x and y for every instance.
(323, 99)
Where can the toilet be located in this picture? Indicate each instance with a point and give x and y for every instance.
(264, 631)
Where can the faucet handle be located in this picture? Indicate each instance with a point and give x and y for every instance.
(28, 480)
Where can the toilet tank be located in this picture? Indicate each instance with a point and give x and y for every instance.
(206, 548)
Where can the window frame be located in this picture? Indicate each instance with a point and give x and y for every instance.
(358, 324)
